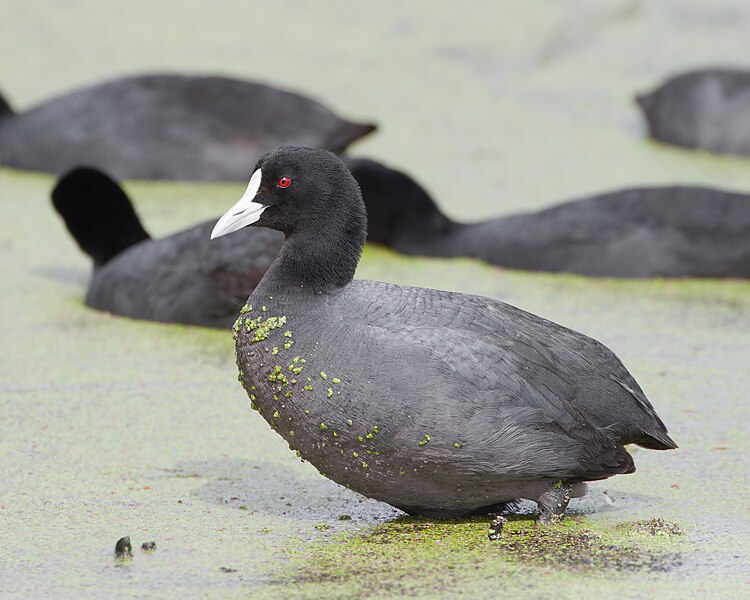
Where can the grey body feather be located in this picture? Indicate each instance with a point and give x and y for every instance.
(169, 127)
(650, 232)
(510, 402)
(707, 110)
(185, 277)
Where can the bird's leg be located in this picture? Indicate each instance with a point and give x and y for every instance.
(553, 502)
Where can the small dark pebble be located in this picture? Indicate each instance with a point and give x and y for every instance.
(123, 547)
(658, 526)
(496, 528)
(148, 546)
(345, 518)
(227, 570)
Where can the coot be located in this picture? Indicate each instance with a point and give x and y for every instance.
(182, 278)
(437, 403)
(669, 231)
(707, 110)
(168, 127)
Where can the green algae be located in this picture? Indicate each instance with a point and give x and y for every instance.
(399, 557)
(263, 327)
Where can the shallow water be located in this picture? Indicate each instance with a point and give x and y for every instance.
(113, 427)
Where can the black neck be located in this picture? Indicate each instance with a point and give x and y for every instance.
(5, 109)
(428, 237)
(319, 260)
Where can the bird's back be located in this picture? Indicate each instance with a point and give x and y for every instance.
(707, 110)
(642, 232)
(170, 127)
(185, 277)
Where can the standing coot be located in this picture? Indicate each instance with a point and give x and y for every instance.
(437, 403)
(168, 127)
(182, 278)
(667, 231)
(707, 110)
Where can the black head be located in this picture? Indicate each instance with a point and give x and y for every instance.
(399, 210)
(98, 213)
(295, 189)
(312, 197)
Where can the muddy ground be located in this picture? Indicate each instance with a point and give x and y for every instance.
(112, 427)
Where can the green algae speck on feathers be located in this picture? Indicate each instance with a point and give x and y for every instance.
(263, 328)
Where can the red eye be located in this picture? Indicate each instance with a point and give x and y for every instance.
(284, 182)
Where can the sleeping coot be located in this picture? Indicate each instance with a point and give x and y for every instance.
(168, 127)
(437, 403)
(707, 110)
(643, 232)
(182, 278)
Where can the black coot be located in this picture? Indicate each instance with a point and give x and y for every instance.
(438, 403)
(708, 110)
(643, 232)
(168, 127)
(182, 278)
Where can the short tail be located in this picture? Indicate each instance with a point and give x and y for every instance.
(349, 133)
(654, 435)
(658, 440)
(98, 213)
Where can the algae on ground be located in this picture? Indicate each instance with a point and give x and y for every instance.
(413, 556)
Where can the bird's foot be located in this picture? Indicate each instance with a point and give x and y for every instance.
(552, 503)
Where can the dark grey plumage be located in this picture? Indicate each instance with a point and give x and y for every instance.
(669, 231)
(181, 278)
(169, 127)
(707, 110)
(438, 403)
(643, 232)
